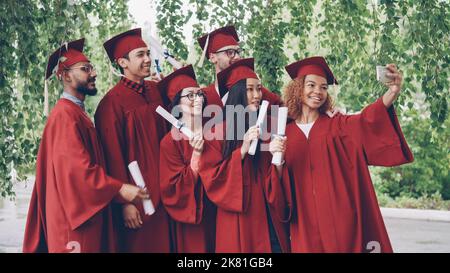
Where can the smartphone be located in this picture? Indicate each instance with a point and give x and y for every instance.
(381, 74)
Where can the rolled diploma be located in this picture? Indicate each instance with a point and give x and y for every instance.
(149, 209)
(175, 122)
(174, 62)
(158, 48)
(281, 128)
(259, 122)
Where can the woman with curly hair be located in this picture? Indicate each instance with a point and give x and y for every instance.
(330, 199)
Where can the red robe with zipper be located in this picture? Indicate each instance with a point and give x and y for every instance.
(184, 197)
(329, 196)
(130, 129)
(69, 208)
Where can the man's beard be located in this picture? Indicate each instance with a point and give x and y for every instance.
(224, 65)
(84, 89)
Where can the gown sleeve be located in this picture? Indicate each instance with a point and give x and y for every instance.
(109, 124)
(83, 186)
(181, 192)
(377, 130)
(226, 181)
(279, 193)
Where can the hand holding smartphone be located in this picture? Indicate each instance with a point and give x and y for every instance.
(381, 74)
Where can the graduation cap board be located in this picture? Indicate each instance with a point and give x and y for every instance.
(313, 65)
(242, 69)
(217, 39)
(65, 56)
(177, 81)
(121, 44)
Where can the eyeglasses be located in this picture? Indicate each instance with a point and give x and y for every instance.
(231, 52)
(192, 96)
(86, 68)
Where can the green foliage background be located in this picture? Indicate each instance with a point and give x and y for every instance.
(354, 36)
(30, 31)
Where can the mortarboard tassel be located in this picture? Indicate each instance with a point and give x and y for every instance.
(202, 58)
(192, 54)
(54, 72)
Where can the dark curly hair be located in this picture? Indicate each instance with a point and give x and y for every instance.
(293, 98)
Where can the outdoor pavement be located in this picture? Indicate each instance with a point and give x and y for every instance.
(409, 230)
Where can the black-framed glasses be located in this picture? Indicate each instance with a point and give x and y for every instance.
(88, 68)
(231, 52)
(192, 96)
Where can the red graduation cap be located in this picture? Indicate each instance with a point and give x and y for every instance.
(212, 42)
(121, 44)
(242, 69)
(313, 65)
(65, 56)
(177, 81)
(225, 36)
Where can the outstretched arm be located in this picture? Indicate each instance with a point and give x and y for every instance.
(395, 85)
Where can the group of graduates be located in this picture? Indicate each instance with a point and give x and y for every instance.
(209, 194)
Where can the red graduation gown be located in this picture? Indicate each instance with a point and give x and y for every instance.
(241, 198)
(212, 96)
(327, 179)
(130, 129)
(183, 195)
(69, 208)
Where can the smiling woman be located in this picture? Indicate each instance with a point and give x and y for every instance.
(182, 190)
(295, 101)
(325, 177)
(235, 180)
